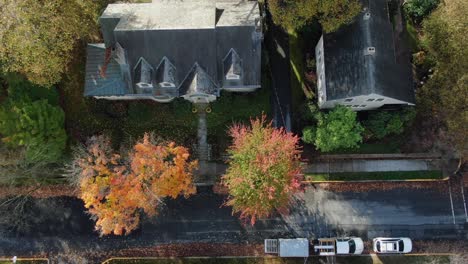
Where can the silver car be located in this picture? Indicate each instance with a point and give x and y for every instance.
(390, 245)
(349, 245)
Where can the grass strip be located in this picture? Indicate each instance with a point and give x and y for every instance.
(377, 176)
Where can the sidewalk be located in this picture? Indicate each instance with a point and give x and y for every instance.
(334, 166)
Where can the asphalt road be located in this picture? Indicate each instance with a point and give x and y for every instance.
(59, 225)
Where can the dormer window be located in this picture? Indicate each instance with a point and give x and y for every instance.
(167, 85)
(144, 88)
(231, 76)
(166, 74)
(143, 71)
(366, 16)
(232, 68)
(369, 51)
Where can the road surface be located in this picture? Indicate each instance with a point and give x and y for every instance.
(60, 226)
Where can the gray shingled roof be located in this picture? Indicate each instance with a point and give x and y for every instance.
(350, 73)
(95, 84)
(185, 42)
(198, 82)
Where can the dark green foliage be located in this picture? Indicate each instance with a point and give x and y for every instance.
(21, 90)
(38, 126)
(419, 9)
(383, 123)
(337, 129)
(29, 120)
(230, 107)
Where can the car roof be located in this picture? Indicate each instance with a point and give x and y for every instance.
(342, 247)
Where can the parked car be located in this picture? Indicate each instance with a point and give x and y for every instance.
(339, 246)
(392, 245)
(349, 245)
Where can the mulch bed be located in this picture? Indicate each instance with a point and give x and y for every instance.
(39, 191)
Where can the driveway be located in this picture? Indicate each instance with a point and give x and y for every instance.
(277, 43)
(59, 225)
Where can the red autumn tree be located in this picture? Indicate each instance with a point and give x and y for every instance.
(116, 190)
(264, 169)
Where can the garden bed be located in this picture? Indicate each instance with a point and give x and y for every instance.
(376, 176)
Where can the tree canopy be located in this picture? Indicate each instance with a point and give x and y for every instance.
(331, 14)
(116, 189)
(444, 94)
(37, 37)
(336, 129)
(418, 9)
(264, 169)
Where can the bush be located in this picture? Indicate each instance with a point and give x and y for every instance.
(29, 120)
(419, 9)
(338, 129)
(308, 134)
(383, 123)
(38, 126)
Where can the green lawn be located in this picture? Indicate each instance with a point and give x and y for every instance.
(378, 176)
(312, 260)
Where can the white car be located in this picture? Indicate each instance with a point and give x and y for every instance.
(392, 245)
(349, 245)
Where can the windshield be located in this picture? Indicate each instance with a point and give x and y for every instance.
(352, 246)
(400, 245)
(378, 246)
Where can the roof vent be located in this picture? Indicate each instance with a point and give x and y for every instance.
(366, 16)
(369, 51)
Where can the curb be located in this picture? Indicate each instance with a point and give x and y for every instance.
(25, 259)
(107, 261)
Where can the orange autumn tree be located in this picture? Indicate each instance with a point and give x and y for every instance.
(116, 190)
(264, 169)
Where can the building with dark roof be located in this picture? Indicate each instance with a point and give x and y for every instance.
(357, 65)
(168, 49)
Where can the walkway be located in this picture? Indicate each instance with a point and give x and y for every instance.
(334, 166)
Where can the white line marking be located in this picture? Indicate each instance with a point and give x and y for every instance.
(464, 201)
(451, 202)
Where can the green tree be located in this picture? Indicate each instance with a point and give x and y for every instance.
(264, 169)
(37, 37)
(37, 126)
(294, 14)
(444, 95)
(419, 9)
(335, 13)
(337, 129)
